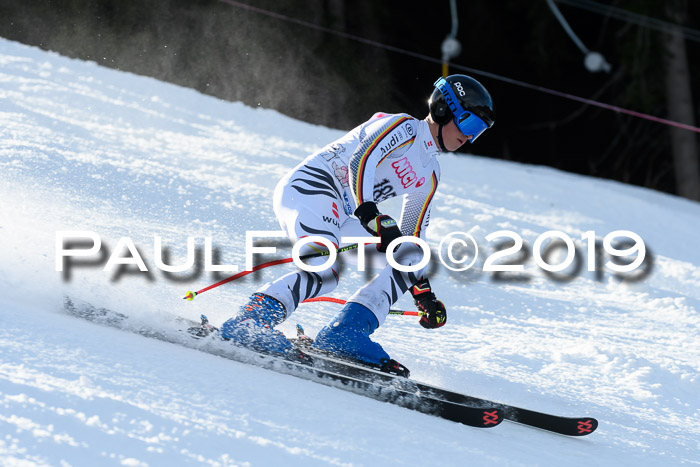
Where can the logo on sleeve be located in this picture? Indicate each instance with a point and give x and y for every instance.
(341, 173)
(330, 220)
(334, 208)
(333, 151)
(396, 138)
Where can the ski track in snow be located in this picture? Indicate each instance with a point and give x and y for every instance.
(83, 147)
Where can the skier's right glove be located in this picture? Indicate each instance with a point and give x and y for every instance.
(379, 225)
(433, 311)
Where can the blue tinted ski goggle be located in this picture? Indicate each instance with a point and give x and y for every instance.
(467, 122)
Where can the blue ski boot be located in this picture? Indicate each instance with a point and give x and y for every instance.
(347, 336)
(253, 326)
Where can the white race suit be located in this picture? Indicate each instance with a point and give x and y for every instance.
(389, 155)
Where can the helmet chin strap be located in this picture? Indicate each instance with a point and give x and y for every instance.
(441, 142)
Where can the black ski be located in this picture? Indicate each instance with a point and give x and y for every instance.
(570, 426)
(352, 378)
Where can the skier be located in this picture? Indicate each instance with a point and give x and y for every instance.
(334, 193)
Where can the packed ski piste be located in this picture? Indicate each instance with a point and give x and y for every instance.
(477, 293)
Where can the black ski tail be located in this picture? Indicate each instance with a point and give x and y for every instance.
(390, 366)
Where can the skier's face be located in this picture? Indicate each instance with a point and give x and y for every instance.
(453, 138)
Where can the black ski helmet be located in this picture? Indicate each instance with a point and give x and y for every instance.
(458, 97)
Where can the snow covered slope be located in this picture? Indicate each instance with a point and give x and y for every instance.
(92, 149)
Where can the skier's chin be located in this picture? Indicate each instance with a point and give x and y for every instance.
(453, 147)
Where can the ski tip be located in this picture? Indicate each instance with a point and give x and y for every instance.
(491, 417)
(585, 426)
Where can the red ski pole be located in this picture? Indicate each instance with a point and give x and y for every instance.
(343, 302)
(190, 295)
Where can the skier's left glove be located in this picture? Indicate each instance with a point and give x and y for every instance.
(379, 225)
(433, 311)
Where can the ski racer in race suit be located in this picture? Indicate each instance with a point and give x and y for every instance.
(335, 193)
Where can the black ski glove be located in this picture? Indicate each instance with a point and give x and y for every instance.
(433, 311)
(379, 225)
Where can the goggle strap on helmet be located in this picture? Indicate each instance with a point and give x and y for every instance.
(449, 96)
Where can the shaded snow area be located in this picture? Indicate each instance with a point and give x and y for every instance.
(85, 148)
